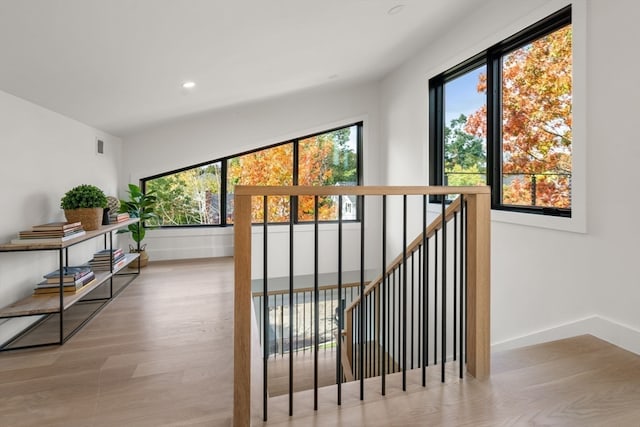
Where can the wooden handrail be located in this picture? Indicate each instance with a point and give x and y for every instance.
(478, 276)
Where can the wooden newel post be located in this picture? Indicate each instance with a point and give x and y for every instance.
(478, 285)
(242, 313)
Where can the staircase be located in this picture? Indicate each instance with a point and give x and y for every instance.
(425, 316)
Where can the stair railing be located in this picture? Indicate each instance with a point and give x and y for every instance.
(471, 259)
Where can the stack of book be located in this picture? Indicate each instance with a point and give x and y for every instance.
(115, 217)
(52, 232)
(103, 259)
(73, 280)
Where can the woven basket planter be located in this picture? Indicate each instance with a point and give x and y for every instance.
(91, 218)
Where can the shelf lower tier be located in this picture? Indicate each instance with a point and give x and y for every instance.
(50, 303)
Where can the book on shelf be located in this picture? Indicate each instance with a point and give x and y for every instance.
(29, 234)
(69, 274)
(77, 284)
(106, 257)
(117, 264)
(66, 289)
(57, 226)
(118, 217)
(108, 253)
(39, 239)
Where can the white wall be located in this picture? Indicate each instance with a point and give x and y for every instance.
(547, 282)
(44, 154)
(550, 277)
(225, 132)
(613, 95)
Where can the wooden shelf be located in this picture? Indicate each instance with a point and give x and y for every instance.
(50, 303)
(13, 247)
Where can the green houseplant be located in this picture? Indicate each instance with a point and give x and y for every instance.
(139, 205)
(84, 203)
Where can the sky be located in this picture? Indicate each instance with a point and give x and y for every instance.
(462, 97)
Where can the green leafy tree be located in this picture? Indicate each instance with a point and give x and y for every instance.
(465, 159)
(186, 197)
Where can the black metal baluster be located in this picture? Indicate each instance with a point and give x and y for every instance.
(316, 308)
(384, 293)
(463, 281)
(420, 307)
(291, 272)
(367, 327)
(393, 316)
(443, 322)
(412, 305)
(425, 292)
(340, 308)
(435, 298)
(404, 292)
(267, 344)
(387, 281)
(362, 300)
(455, 284)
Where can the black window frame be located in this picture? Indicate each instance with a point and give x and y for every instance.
(294, 209)
(492, 59)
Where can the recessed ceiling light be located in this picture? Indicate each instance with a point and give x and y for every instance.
(188, 85)
(395, 9)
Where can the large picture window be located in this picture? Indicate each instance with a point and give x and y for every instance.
(202, 194)
(504, 118)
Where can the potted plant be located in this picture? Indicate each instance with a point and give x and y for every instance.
(84, 203)
(140, 205)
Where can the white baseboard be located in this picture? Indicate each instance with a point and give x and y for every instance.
(166, 254)
(606, 329)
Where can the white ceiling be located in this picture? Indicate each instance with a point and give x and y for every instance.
(118, 65)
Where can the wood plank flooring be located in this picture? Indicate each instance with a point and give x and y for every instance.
(161, 354)
(581, 381)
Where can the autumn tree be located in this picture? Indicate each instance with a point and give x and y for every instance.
(193, 196)
(272, 166)
(314, 168)
(536, 121)
(324, 159)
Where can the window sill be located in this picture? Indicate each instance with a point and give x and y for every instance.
(575, 224)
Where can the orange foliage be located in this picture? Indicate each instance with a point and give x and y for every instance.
(536, 121)
(314, 169)
(274, 166)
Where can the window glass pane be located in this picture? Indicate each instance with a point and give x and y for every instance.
(328, 159)
(465, 115)
(536, 122)
(190, 197)
(273, 166)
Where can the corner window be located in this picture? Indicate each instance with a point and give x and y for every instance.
(503, 118)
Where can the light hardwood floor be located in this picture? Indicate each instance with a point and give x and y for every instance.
(161, 354)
